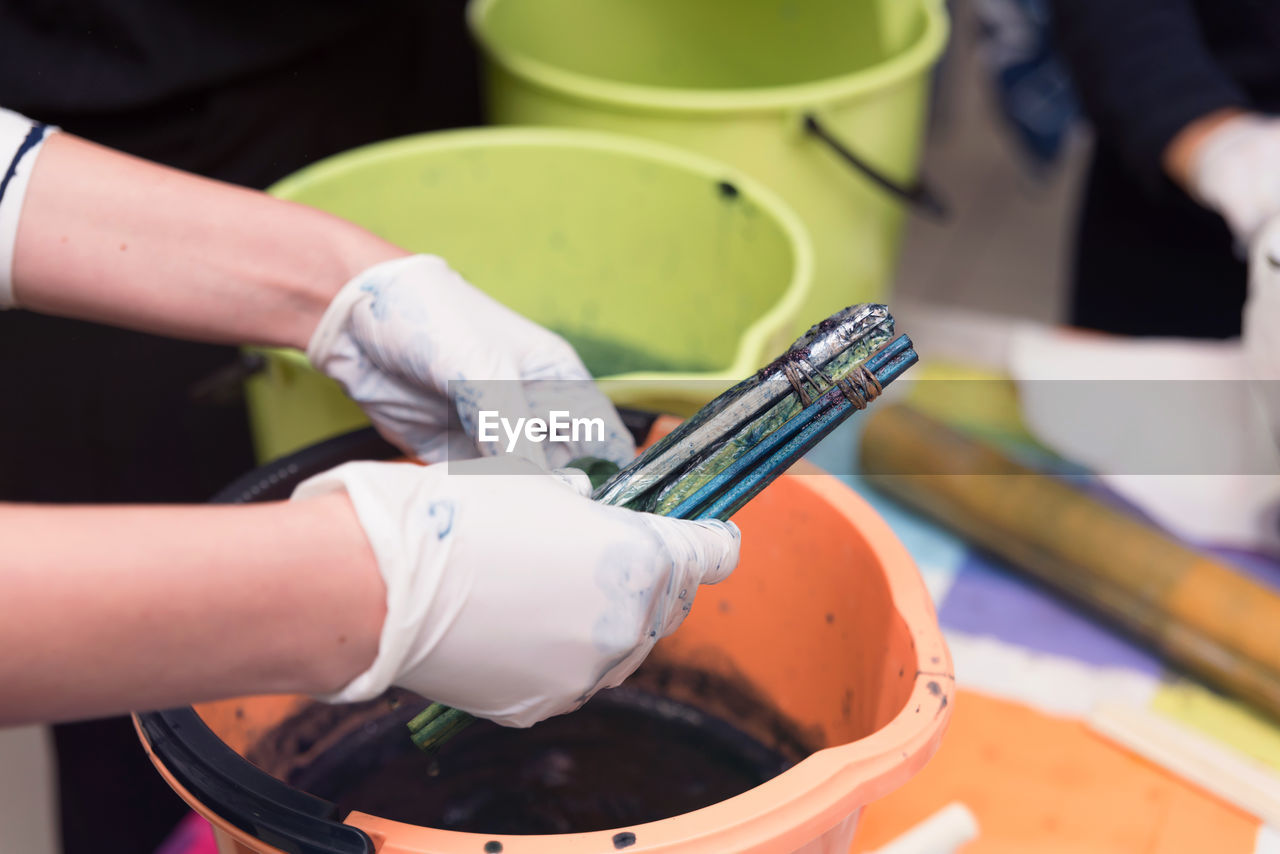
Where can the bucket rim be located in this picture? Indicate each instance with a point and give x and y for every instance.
(813, 796)
(809, 799)
(754, 342)
(901, 66)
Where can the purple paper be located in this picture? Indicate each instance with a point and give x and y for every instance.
(987, 599)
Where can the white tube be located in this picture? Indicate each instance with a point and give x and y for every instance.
(941, 833)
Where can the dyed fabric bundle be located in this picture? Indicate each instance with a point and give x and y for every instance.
(825, 366)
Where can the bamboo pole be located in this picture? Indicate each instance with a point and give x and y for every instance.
(1195, 610)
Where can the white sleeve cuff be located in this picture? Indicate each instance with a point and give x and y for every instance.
(20, 142)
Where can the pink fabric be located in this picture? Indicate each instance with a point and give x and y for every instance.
(193, 835)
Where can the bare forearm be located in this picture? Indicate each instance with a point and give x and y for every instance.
(108, 237)
(108, 609)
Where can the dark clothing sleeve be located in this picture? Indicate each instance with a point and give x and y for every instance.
(1143, 71)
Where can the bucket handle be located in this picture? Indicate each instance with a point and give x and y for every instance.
(241, 794)
(918, 196)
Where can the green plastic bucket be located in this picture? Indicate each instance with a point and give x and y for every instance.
(773, 87)
(673, 275)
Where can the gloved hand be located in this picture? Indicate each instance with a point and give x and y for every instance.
(515, 597)
(1236, 172)
(395, 337)
(1261, 333)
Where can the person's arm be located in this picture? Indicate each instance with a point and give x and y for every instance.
(103, 610)
(507, 593)
(1186, 146)
(108, 237)
(98, 235)
(1165, 104)
(1144, 74)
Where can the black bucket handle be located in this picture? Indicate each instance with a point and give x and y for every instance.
(241, 794)
(918, 196)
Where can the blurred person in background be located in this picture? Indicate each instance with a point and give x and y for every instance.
(1177, 251)
(246, 92)
(1184, 96)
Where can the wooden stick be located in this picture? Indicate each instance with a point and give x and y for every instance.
(1197, 611)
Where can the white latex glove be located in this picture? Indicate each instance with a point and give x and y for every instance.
(1262, 323)
(1170, 424)
(1262, 309)
(395, 337)
(1236, 172)
(514, 596)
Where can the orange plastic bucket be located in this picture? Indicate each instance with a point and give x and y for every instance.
(826, 618)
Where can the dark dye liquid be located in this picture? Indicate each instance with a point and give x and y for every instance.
(625, 758)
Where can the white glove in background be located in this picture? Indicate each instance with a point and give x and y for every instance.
(1262, 326)
(1262, 317)
(514, 596)
(1172, 425)
(398, 333)
(1236, 172)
